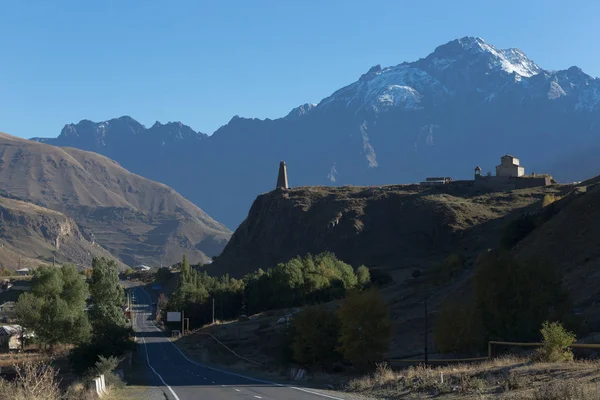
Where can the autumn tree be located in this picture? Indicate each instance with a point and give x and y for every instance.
(314, 336)
(365, 328)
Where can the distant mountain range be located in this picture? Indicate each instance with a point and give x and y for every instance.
(465, 104)
(77, 200)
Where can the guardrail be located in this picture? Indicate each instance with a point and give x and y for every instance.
(489, 356)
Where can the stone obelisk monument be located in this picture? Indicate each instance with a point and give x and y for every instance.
(282, 181)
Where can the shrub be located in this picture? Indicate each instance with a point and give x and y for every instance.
(549, 199)
(557, 341)
(416, 274)
(365, 328)
(448, 268)
(363, 275)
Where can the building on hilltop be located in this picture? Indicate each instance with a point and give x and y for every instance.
(282, 179)
(443, 180)
(509, 166)
(510, 174)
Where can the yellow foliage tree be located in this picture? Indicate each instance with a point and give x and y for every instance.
(315, 333)
(365, 328)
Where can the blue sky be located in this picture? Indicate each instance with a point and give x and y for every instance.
(202, 62)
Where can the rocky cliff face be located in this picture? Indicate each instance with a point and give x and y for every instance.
(31, 235)
(138, 220)
(394, 227)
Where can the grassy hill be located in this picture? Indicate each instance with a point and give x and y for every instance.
(398, 228)
(136, 219)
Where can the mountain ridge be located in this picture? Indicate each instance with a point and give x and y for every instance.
(464, 104)
(138, 220)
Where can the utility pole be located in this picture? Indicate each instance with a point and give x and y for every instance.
(426, 337)
(182, 326)
(213, 310)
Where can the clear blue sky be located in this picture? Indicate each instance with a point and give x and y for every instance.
(202, 62)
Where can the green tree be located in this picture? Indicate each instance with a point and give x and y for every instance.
(363, 276)
(59, 323)
(314, 336)
(55, 308)
(163, 275)
(514, 298)
(365, 328)
(111, 337)
(28, 311)
(106, 296)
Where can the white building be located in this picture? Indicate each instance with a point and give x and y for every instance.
(509, 166)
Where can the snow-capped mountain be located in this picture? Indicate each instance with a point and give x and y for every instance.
(465, 104)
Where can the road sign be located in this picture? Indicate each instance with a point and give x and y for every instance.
(174, 316)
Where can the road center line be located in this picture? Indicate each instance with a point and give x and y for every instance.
(152, 368)
(238, 375)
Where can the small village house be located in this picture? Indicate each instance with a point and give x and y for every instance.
(10, 338)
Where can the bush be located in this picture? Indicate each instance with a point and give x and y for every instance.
(363, 275)
(557, 341)
(453, 264)
(380, 278)
(365, 328)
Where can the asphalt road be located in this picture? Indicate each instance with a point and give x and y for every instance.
(181, 378)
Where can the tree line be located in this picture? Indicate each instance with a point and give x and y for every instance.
(66, 307)
(509, 302)
(298, 282)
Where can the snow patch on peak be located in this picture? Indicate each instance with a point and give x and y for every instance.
(508, 60)
(555, 91)
(397, 95)
(301, 111)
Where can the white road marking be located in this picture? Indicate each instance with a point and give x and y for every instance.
(237, 390)
(153, 370)
(258, 397)
(242, 376)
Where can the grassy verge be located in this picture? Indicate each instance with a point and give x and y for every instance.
(504, 378)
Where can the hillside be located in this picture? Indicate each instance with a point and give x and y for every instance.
(136, 219)
(569, 240)
(460, 106)
(31, 235)
(398, 228)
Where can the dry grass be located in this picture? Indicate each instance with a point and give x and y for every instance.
(506, 378)
(35, 380)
